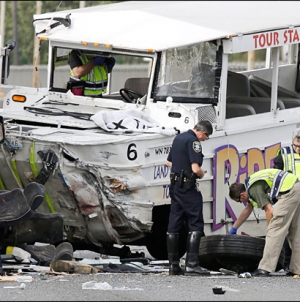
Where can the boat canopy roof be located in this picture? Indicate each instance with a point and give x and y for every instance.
(160, 25)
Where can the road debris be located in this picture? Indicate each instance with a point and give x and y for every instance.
(218, 291)
(245, 275)
(105, 286)
(22, 286)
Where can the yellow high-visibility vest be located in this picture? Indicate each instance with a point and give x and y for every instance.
(278, 180)
(95, 80)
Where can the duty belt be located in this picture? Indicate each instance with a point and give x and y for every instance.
(176, 177)
(183, 179)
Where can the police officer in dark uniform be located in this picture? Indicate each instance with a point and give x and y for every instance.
(185, 160)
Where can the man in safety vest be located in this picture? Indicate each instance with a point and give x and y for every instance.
(288, 159)
(92, 70)
(277, 193)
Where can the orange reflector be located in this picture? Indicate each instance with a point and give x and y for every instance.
(19, 98)
(43, 39)
(96, 44)
(107, 45)
(84, 43)
(150, 50)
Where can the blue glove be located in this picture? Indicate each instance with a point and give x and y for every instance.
(110, 63)
(99, 60)
(232, 231)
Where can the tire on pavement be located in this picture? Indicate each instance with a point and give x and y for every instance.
(233, 252)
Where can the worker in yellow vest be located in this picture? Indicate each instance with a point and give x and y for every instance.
(93, 71)
(288, 159)
(277, 193)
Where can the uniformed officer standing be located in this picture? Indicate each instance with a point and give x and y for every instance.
(185, 160)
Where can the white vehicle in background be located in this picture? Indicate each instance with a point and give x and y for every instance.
(102, 160)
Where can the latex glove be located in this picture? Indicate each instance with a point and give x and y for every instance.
(232, 231)
(99, 60)
(110, 63)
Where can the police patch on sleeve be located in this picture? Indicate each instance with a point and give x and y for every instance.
(197, 146)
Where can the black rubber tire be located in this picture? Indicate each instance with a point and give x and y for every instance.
(237, 253)
(156, 241)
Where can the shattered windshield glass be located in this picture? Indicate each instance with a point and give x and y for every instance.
(188, 72)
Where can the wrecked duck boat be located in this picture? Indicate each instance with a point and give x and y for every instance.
(102, 160)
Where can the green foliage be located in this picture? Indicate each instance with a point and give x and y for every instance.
(260, 55)
(25, 31)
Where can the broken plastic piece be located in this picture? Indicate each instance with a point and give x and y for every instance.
(22, 286)
(105, 286)
(218, 291)
(24, 279)
(245, 275)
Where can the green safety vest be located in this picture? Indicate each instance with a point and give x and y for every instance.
(291, 160)
(95, 80)
(279, 181)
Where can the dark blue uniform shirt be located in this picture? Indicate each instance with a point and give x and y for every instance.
(186, 149)
(185, 202)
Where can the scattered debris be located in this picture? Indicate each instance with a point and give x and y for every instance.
(22, 279)
(245, 275)
(226, 288)
(72, 266)
(218, 291)
(105, 286)
(22, 286)
(227, 271)
(81, 254)
(8, 278)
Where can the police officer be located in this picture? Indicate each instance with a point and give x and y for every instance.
(288, 159)
(281, 189)
(185, 160)
(92, 70)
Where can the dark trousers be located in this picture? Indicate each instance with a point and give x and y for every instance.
(185, 205)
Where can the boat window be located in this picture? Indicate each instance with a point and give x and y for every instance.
(188, 73)
(127, 66)
(249, 81)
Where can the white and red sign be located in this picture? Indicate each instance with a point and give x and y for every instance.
(263, 40)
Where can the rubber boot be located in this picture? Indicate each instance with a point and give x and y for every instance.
(192, 267)
(173, 254)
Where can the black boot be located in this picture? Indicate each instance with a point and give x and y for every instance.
(1, 268)
(192, 267)
(173, 254)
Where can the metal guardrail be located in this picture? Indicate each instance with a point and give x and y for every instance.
(23, 75)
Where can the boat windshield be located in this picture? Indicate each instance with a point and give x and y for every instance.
(187, 74)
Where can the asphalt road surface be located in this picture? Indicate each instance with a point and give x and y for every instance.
(152, 287)
(146, 286)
